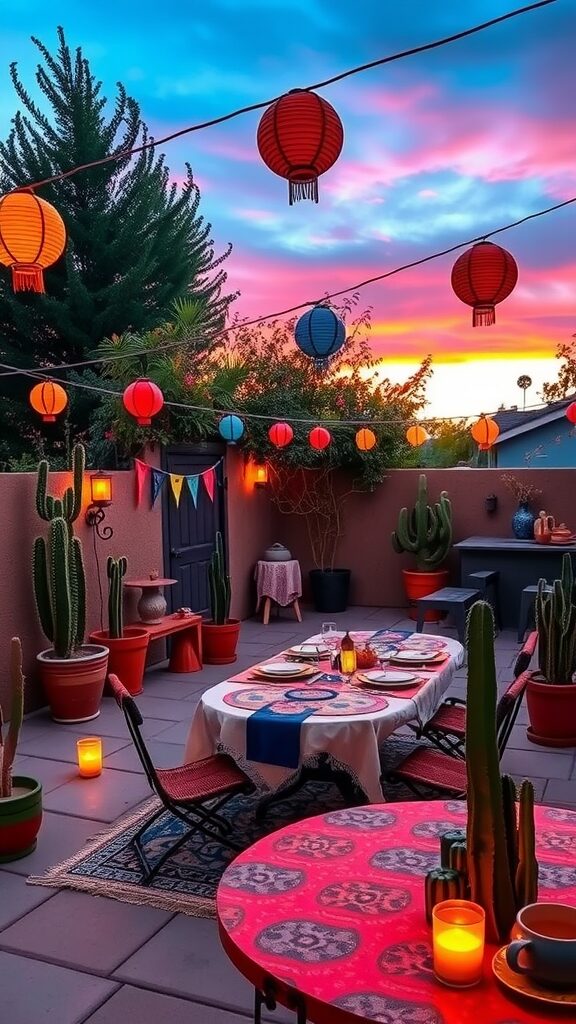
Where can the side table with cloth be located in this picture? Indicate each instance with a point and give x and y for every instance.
(274, 729)
(280, 582)
(327, 916)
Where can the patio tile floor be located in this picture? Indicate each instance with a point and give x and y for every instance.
(76, 958)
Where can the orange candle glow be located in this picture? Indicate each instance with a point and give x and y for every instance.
(458, 942)
(89, 756)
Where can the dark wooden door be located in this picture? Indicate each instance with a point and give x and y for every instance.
(189, 532)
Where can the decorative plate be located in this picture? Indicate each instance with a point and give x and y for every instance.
(388, 678)
(522, 985)
(309, 650)
(417, 657)
(283, 668)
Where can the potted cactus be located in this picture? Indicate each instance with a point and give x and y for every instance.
(128, 645)
(220, 633)
(21, 795)
(551, 692)
(71, 671)
(426, 532)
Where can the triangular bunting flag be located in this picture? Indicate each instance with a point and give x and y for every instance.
(208, 478)
(192, 482)
(158, 478)
(141, 470)
(176, 485)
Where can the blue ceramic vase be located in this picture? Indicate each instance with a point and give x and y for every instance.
(523, 522)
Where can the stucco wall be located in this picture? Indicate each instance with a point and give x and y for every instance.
(550, 446)
(251, 529)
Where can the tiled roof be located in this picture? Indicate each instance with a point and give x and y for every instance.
(510, 419)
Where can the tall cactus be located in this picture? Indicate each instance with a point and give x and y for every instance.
(58, 568)
(502, 868)
(219, 584)
(9, 742)
(116, 569)
(426, 530)
(556, 625)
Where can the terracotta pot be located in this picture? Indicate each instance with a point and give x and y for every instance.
(20, 819)
(74, 686)
(552, 713)
(219, 642)
(127, 658)
(420, 584)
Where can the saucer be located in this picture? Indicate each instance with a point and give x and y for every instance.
(522, 985)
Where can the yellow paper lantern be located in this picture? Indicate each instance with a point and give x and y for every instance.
(365, 439)
(416, 436)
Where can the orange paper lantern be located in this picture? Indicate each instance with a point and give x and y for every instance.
(143, 400)
(280, 434)
(48, 399)
(319, 438)
(417, 436)
(485, 431)
(365, 439)
(32, 237)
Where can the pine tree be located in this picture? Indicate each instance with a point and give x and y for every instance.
(135, 242)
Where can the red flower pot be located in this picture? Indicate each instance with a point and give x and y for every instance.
(219, 642)
(127, 658)
(20, 818)
(74, 686)
(420, 584)
(552, 713)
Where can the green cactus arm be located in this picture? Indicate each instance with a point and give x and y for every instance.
(49, 507)
(67, 504)
(510, 823)
(60, 590)
(527, 871)
(79, 611)
(41, 485)
(567, 579)
(42, 588)
(16, 715)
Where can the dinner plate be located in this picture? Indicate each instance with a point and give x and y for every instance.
(389, 676)
(416, 657)
(522, 985)
(309, 650)
(283, 668)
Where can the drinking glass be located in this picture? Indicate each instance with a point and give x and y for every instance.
(331, 639)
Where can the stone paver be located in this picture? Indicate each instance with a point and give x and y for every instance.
(126, 963)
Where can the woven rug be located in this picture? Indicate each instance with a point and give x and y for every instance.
(187, 882)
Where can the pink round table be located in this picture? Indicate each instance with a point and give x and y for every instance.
(326, 916)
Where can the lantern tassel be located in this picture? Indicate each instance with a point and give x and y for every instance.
(484, 316)
(298, 190)
(28, 277)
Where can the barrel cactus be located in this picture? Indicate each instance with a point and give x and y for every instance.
(9, 741)
(219, 584)
(426, 530)
(502, 867)
(116, 570)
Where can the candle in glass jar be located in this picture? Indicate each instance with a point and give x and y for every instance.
(89, 756)
(458, 942)
(347, 655)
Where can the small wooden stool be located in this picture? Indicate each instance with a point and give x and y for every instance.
(486, 581)
(456, 600)
(527, 602)
(268, 604)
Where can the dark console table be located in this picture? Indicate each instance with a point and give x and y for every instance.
(520, 563)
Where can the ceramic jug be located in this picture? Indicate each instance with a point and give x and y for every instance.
(561, 534)
(543, 527)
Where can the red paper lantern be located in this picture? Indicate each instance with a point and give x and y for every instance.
(319, 438)
(300, 136)
(483, 276)
(48, 399)
(365, 439)
(485, 431)
(143, 400)
(571, 412)
(280, 434)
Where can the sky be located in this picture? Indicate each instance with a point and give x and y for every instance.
(439, 148)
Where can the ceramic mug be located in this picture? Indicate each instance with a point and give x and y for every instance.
(545, 946)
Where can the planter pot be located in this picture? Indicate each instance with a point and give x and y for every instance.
(330, 589)
(20, 819)
(420, 584)
(523, 522)
(219, 642)
(74, 686)
(127, 657)
(552, 712)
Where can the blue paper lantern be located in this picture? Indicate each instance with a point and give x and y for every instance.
(319, 333)
(231, 428)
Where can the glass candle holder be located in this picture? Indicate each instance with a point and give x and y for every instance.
(348, 662)
(89, 756)
(458, 942)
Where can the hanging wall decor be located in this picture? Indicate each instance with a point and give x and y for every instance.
(280, 434)
(48, 399)
(158, 477)
(143, 400)
(365, 439)
(483, 276)
(319, 333)
(319, 438)
(300, 136)
(417, 435)
(231, 428)
(485, 431)
(32, 237)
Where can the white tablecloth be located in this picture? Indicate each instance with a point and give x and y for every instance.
(351, 741)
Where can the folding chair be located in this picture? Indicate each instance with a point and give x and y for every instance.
(427, 772)
(447, 728)
(183, 790)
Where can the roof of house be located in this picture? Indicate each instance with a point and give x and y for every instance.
(518, 421)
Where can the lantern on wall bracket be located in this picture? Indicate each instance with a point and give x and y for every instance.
(100, 498)
(484, 432)
(365, 439)
(32, 238)
(231, 428)
(319, 438)
(417, 435)
(260, 474)
(483, 276)
(48, 399)
(300, 136)
(143, 400)
(319, 333)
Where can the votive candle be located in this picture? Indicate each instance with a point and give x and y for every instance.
(458, 942)
(89, 756)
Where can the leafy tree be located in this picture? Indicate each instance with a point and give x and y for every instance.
(135, 241)
(450, 445)
(566, 383)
